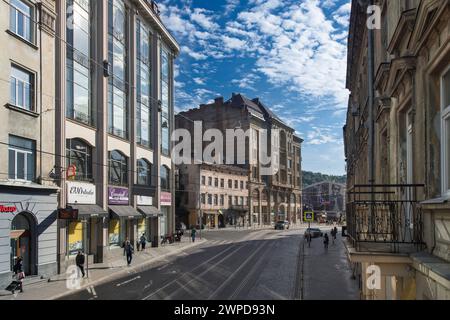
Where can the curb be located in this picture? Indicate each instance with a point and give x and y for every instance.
(124, 271)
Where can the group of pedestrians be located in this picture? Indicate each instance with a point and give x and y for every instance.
(326, 239)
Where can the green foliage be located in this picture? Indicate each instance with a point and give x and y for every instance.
(310, 178)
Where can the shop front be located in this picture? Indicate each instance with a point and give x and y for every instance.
(28, 220)
(166, 206)
(123, 219)
(84, 229)
(148, 224)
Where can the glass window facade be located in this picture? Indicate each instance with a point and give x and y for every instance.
(165, 178)
(79, 154)
(143, 85)
(166, 75)
(143, 172)
(117, 93)
(78, 105)
(118, 169)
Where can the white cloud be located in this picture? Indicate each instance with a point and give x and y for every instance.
(230, 6)
(199, 81)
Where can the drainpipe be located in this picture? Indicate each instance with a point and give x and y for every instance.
(370, 73)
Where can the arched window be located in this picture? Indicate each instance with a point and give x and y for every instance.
(143, 172)
(118, 168)
(79, 154)
(165, 178)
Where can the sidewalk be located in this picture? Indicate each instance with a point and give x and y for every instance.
(254, 227)
(99, 273)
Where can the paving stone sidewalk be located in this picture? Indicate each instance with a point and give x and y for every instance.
(57, 286)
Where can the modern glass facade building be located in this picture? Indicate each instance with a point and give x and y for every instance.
(114, 95)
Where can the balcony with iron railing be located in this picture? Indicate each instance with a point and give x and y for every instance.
(385, 218)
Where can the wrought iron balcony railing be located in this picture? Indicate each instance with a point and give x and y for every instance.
(385, 218)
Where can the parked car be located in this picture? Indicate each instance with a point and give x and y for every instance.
(314, 232)
(280, 225)
(286, 224)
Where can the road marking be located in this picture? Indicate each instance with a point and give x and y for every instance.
(128, 281)
(163, 267)
(148, 285)
(191, 271)
(237, 270)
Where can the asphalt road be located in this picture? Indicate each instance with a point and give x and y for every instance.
(263, 264)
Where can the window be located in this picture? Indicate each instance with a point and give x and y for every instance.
(209, 199)
(242, 184)
(118, 169)
(203, 180)
(209, 181)
(166, 76)
(230, 184)
(216, 199)
(165, 178)
(143, 172)
(21, 19)
(216, 182)
(222, 183)
(241, 202)
(236, 184)
(22, 159)
(22, 88)
(445, 123)
(230, 200)
(203, 198)
(117, 95)
(78, 106)
(236, 200)
(143, 67)
(79, 154)
(222, 199)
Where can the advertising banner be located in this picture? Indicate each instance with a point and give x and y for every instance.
(118, 196)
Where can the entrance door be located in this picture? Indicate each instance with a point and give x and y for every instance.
(21, 242)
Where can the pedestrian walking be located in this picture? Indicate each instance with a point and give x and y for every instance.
(309, 239)
(19, 274)
(79, 261)
(193, 233)
(326, 240)
(143, 241)
(128, 251)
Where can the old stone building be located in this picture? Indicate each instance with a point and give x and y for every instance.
(216, 195)
(400, 219)
(28, 192)
(271, 196)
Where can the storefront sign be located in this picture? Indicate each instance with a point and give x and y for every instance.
(7, 209)
(80, 193)
(68, 214)
(118, 196)
(166, 199)
(144, 201)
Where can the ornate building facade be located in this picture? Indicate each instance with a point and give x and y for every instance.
(400, 220)
(271, 197)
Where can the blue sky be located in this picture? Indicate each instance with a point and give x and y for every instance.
(291, 54)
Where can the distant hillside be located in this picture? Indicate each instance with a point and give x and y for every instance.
(310, 178)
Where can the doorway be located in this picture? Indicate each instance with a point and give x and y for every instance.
(22, 242)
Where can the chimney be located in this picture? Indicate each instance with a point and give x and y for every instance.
(218, 101)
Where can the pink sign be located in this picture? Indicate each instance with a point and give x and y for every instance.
(166, 199)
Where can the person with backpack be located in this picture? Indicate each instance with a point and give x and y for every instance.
(143, 241)
(193, 233)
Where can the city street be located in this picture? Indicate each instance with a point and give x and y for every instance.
(253, 264)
